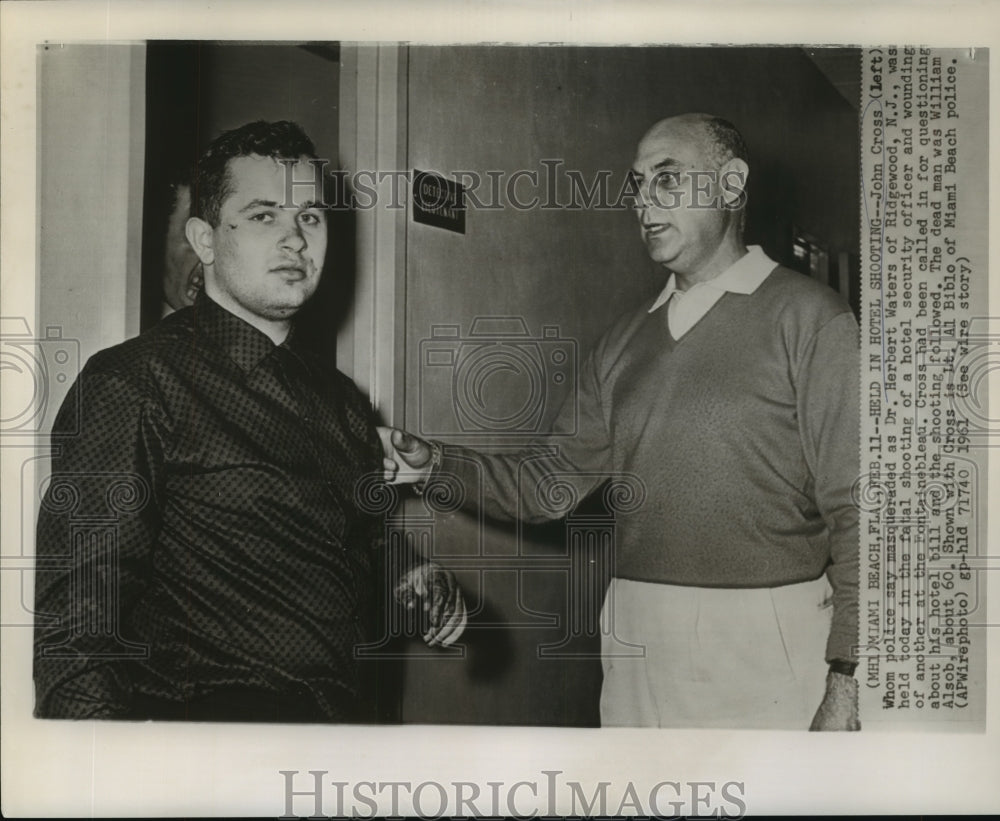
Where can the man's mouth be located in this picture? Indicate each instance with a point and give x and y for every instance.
(290, 269)
(653, 230)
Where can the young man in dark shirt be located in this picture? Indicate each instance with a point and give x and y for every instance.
(206, 548)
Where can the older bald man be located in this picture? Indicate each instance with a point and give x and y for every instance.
(734, 398)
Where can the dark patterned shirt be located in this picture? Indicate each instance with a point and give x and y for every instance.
(206, 533)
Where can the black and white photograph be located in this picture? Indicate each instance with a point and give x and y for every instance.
(466, 424)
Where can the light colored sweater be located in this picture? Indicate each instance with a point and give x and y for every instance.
(743, 436)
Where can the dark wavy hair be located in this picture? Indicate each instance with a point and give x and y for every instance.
(279, 140)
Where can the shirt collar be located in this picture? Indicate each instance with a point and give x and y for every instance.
(237, 338)
(742, 277)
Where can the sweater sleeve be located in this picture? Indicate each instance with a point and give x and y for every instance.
(96, 530)
(546, 479)
(827, 388)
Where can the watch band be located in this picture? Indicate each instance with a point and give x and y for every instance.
(845, 668)
(437, 456)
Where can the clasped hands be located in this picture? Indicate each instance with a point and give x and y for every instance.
(408, 460)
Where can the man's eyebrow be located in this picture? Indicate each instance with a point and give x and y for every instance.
(668, 162)
(272, 204)
(258, 204)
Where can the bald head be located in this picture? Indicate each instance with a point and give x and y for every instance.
(718, 140)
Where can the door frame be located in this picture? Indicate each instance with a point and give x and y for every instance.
(373, 138)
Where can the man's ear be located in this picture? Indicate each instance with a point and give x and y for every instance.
(202, 238)
(733, 183)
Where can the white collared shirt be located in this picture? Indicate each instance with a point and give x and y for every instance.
(685, 308)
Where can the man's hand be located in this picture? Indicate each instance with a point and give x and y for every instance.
(839, 708)
(437, 591)
(407, 459)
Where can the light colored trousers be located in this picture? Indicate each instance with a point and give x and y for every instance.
(708, 657)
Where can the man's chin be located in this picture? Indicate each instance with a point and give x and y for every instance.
(661, 255)
(282, 311)
(292, 300)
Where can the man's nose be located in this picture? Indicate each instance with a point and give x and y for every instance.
(643, 199)
(294, 239)
(642, 205)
